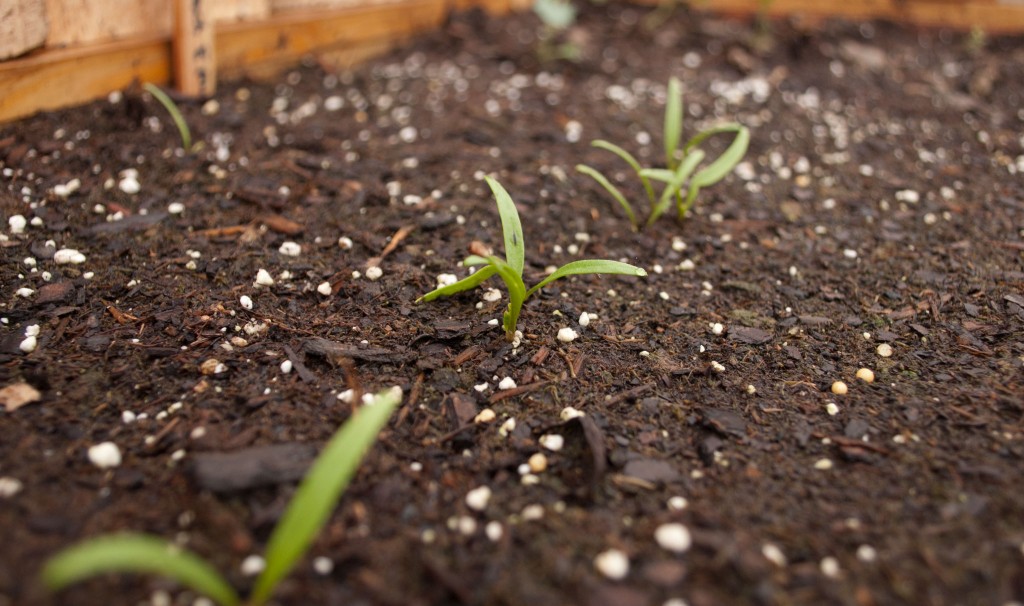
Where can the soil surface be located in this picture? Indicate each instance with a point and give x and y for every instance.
(880, 211)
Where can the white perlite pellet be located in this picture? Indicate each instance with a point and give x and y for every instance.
(252, 565)
(105, 455)
(613, 564)
(866, 553)
(677, 503)
(67, 256)
(507, 383)
(829, 567)
(286, 367)
(323, 565)
(584, 320)
(478, 498)
(884, 350)
(374, 273)
(773, 554)
(552, 441)
(494, 531)
(673, 537)
(324, 289)
(263, 278)
(486, 415)
(245, 301)
(823, 464)
(290, 249)
(17, 224)
(567, 335)
(568, 413)
(175, 208)
(9, 487)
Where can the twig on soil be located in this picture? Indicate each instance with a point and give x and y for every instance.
(396, 239)
(300, 368)
(515, 391)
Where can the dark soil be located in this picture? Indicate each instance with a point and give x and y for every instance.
(883, 204)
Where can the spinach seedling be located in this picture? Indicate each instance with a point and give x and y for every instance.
(510, 270)
(680, 170)
(558, 16)
(172, 109)
(306, 514)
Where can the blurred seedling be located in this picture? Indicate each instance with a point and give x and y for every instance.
(510, 270)
(557, 16)
(681, 173)
(172, 109)
(305, 516)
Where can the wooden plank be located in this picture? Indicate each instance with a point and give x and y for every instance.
(22, 26)
(76, 22)
(195, 67)
(62, 77)
(262, 48)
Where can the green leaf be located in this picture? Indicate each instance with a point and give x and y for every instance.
(673, 121)
(728, 127)
(556, 14)
(589, 266)
(516, 294)
(468, 283)
(172, 109)
(137, 553)
(629, 159)
(511, 228)
(673, 187)
(611, 189)
(320, 490)
(659, 174)
(719, 169)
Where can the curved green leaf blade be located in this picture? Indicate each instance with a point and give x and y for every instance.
(137, 553)
(673, 121)
(728, 127)
(320, 490)
(511, 228)
(629, 159)
(611, 189)
(468, 283)
(674, 186)
(516, 295)
(589, 266)
(172, 109)
(717, 170)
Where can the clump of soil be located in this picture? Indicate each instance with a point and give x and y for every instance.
(877, 223)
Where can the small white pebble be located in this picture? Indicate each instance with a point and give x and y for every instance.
(324, 288)
(569, 413)
(717, 328)
(263, 278)
(645, 354)
(823, 464)
(507, 383)
(678, 244)
(17, 224)
(485, 416)
(866, 375)
(537, 462)
(175, 208)
(105, 455)
(507, 427)
(613, 564)
(252, 565)
(345, 243)
(867, 554)
(129, 184)
(25, 292)
(673, 537)
(584, 320)
(829, 567)
(849, 253)
(67, 256)
(832, 409)
(245, 301)
(346, 396)
(490, 295)
(687, 265)
(839, 388)
(884, 350)
(449, 279)
(717, 366)
(677, 503)
(323, 565)
(28, 344)
(567, 335)
(773, 554)
(374, 273)
(286, 367)
(532, 512)
(494, 531)
(478, 498)
(9, 487)
(481, 387)
(552, 441)
(290, 249)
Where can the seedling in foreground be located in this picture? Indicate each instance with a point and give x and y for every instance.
(511, 269)
(172, 109)
(680, 165)
(306, 514)
(558, 16)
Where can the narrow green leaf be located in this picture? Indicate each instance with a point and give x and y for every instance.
(511, 228)
(663, 175)
(137, 553)
(717, 170)
(172, 109)
(673, 121)
(611, 189)
(728, 127)
(516, 294)
(674, 186)
(589, 266)
(319, 491)
(468, 283)
(556, 14)
(629, 159)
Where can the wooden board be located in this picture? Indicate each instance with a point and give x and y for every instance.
(22, 26)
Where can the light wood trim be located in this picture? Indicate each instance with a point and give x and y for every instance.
(195, 67)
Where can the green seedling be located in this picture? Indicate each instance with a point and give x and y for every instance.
(306, 514)
(681, 165)
(510, 270)
(557, 16)
(172, 109)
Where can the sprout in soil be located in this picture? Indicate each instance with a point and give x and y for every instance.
(511, 269)
(558, 16)
(306, 514)
(680, 170)
(172, 109)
